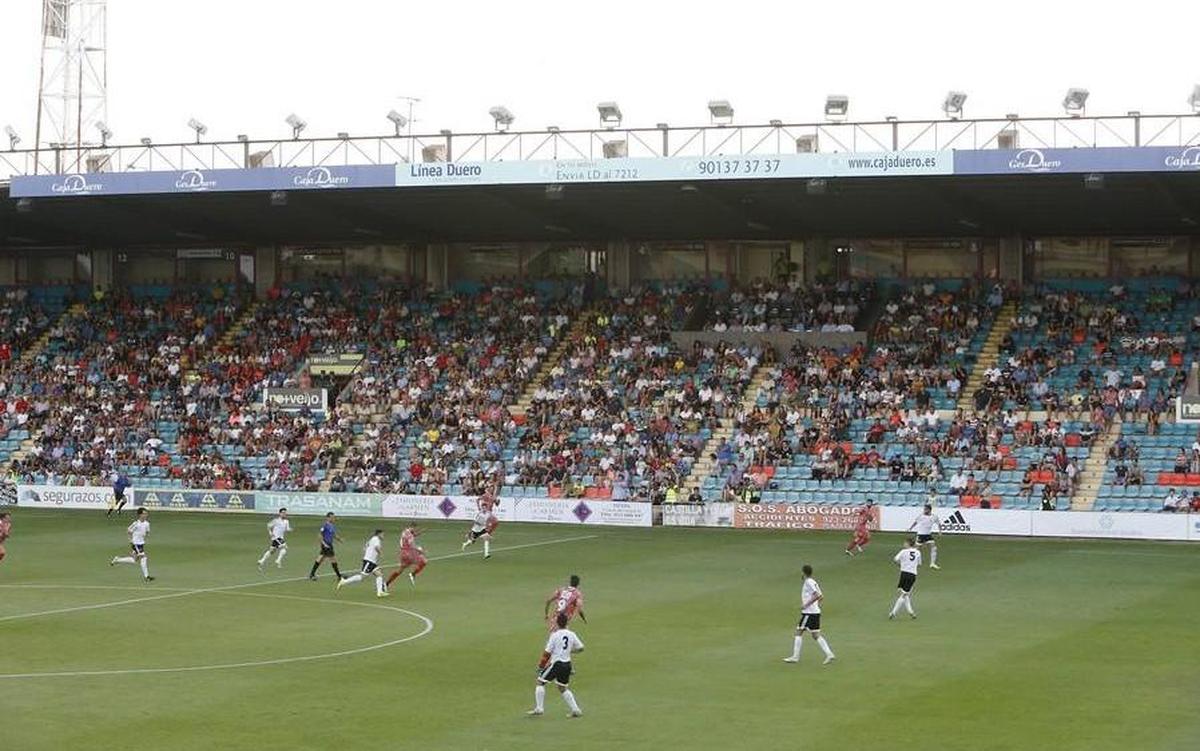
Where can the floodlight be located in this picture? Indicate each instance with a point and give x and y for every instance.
(806, 144)
(610, 114)
(259, 159)
(1008, 140)
(146, 141)
(1075, 102)
(13, 138)
(343, 135)
(398, 120)
(1194, 99)
(199, 127)
(720, 111)
(434, 153)
(776, 123)
(616, 149)
(297, 124)
(502, 116)
(952, 105)
(105, 133)
(836, 107)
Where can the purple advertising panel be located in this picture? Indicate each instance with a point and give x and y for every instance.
(1037, 161)
(204, 181)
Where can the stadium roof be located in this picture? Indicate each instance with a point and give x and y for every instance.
(962, 206)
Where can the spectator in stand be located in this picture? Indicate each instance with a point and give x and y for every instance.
(1172, 502)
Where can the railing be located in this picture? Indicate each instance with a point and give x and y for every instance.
(712, 140)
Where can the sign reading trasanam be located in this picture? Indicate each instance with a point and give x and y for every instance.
(799, 516)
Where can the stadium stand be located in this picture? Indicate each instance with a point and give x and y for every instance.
(550, 390)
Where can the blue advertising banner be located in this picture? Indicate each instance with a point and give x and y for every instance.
(204, 181)
(204, 500)
(1034, 161)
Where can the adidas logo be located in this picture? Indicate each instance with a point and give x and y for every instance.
(956, 522)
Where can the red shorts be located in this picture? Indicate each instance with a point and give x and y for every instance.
(492, 523)
(862, 536)
(412, 559)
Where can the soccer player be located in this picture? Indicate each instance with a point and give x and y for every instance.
(926, 525)
(909, 560)
(137, 543)
(555, 666)
(410, 555)
(810, 618)
(277, 530)
(370, 565)
(567, 601)
(328, 537)
(862, 530)
(5, 532)
(119, 484)
(485, 523)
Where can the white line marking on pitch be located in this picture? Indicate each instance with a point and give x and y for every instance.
(261, 583)
(256, 663)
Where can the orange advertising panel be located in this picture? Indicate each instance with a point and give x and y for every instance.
(800, 516)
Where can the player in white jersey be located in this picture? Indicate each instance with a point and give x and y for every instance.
(909, 560)
(137, 544)
(810, 618)
(277, 530)
(370, 565)
(555, 666)
(927, 525)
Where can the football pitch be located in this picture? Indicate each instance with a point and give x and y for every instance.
(1019, 644)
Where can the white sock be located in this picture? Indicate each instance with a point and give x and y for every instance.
(908, 604)
(265, 556)
(487, 546)
(569, 698)
(539, 697)
(282, 553)
(352, 579)
(378, 585)
(933, 555)
(824, 645)
(896, 607)
(145, 562)
(125, 559)
(797, 643)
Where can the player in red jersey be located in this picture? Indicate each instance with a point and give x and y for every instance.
(485, 523)
(411, 554)
(5, 531)
(566, 600)
(862, 529)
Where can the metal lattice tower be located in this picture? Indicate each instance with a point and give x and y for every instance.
(73, 81)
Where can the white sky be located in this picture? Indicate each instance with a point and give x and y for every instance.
(242, 65)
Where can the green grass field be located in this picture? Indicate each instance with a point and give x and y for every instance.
(1020, 644)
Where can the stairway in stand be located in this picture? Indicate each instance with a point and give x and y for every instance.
(989, 355)
(29, 355)
(705, 464)
(228, 337)
(553, 357)
(1091, 475)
